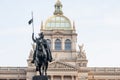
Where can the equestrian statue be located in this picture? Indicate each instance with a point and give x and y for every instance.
(42, 54)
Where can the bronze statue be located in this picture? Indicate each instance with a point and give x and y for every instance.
(42, 54)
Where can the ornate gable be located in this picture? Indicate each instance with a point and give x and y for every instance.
(59, 66)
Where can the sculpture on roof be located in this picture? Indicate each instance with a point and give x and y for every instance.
(82, 53)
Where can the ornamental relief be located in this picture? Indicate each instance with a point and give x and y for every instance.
(56, 65)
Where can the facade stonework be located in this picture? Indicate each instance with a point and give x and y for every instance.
(68, 62)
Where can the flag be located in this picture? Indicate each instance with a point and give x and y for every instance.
(30, 21)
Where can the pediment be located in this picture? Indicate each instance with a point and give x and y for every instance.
(61, 65)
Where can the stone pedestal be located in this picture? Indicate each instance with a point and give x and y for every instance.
(40, 78)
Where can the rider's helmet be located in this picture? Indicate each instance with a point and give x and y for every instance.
(41, 35)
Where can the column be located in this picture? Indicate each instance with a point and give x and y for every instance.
(62, 77)
(77, 78)
(63, 44)
(72, 77)
(74, 42)
(53, 44)
(51, 77)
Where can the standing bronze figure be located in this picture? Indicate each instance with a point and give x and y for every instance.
(42, 54)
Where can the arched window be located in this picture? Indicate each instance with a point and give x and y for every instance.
(49, 42)
(67, 44)
(57, 44)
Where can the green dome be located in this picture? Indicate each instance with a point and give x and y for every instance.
(58, 22)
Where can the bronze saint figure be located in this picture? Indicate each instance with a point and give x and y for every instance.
(42, 54)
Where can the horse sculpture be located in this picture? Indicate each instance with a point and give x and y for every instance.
(41, 61)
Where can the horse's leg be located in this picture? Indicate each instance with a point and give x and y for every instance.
(43, 68)
(40, 69)
(46, 66)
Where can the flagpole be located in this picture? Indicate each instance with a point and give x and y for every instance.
(32, 22)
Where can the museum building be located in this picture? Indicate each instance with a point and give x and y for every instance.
(68, 62)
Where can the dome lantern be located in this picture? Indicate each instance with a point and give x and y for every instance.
(58, 21)
(58, 8)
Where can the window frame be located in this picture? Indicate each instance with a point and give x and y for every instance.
(68, 45)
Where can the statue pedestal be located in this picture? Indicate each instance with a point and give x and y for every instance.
(40, 77)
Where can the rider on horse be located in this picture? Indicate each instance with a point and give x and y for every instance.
(45, 44)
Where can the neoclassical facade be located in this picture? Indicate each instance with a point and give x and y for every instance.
(68, 63)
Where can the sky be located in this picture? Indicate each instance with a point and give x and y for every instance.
(97, 24)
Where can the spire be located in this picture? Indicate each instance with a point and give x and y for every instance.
(41, 25)
(74, 26)
(58, 8)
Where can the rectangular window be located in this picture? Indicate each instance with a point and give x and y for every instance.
(67, 78)
(48, 24)
(57, 24)
(57, 18)
(57, 77)
(67, 25)
(62, 24)
(52, 24)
